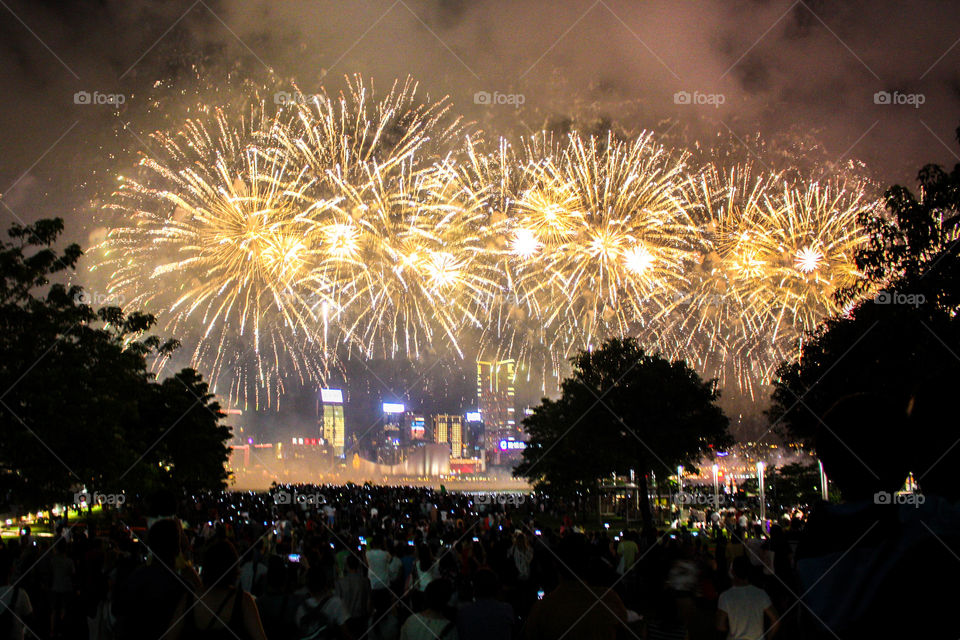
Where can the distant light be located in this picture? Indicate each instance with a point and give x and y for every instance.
(473, 416)
(393, 407)
(332, 395)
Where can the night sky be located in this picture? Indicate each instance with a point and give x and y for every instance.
(796, 77)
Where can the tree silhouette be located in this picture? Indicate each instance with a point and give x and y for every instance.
(78, 405)
(873, 390)
(621, 410)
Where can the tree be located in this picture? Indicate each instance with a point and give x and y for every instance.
(873, 391)
(78, 405)
(622, 409)
(795, 484)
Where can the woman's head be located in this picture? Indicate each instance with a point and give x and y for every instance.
(220, 565)
(437, 594)
(521, 541)
(424, 555)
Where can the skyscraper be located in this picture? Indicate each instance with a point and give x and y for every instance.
(448, 429)
(495, 395)
(331, 419)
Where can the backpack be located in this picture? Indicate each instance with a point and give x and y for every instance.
(314, 624)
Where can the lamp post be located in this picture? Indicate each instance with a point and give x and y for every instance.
(763, 500)
(824, 490)
(716, 486)
(680, 491)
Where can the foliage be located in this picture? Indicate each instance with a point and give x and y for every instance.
(78, 405)
(872, 392)
(622, 409)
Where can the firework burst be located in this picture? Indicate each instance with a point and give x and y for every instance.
(213, 243)
(600, 238)
(405, 261)
(361, 225)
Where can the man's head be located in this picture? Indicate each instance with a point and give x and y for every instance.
(573, 553)
(220, 565)
(353, 564)
(486, 584)
(740, 569)
(164, 540)
(437, 594)
(316, 581)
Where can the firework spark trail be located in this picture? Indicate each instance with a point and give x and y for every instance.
(414, 267)
(212, 243)
(367, 226)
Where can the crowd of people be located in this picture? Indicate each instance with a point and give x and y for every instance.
(388, 563)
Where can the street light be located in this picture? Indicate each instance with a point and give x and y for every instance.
(763, 501)
(716, 486)
(824, 490)
(680, 491)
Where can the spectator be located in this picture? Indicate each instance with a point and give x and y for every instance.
(572, 609)
(144, 604)
(322, 615)
(278, 606)
(425, 571)
(378, 571)
(353, 589)
(486, 617)
(253, 572)
(627, 552)
(432, 623)
(743, 607)
(62, 571)
(15, 607)
(223, 610)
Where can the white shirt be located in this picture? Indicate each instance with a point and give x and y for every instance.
(247, 578)
(744, 607)
(334, 612)
(420, 627)
(21, 608)
(378, 568)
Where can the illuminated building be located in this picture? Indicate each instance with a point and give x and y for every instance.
(448, 429)
(473, 434)
(495, 395)
(331, 420)
(417, 426)
(393, 417)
